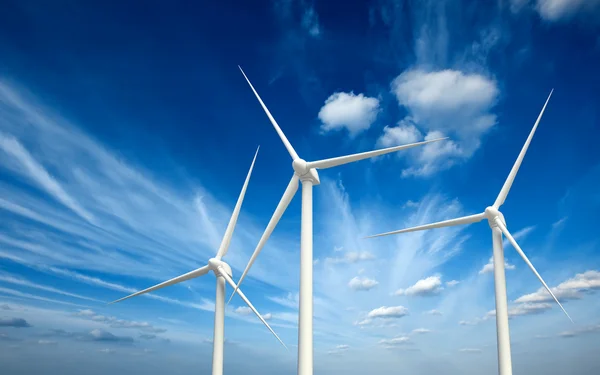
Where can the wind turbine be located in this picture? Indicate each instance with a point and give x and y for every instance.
(306, 172)
(223, 273)
(497, 224)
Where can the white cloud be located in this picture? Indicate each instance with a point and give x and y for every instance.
(243, 310)
(267, 316)
(395, 342)
(489, 267)
(339, 349)
(353, 112)
(559, 10)
(443, 103)
(452, 283)
(433, 312)
(580, 331)
(429, 286)
(40, 175)
(470, 350)
(351, 257)
(420, 331)
(522, 309)
(388, 312)
(406, 132)
(559, 224)
(362, 283)
(310, 22)
(573, 288)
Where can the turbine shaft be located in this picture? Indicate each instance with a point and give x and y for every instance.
(522, 254)
(334, 162)
(446, 223)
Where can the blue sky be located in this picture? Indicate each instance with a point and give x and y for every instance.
(126, 132)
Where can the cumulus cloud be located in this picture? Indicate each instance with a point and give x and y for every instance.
(243, 310)
(429, 286)
(433, 312)
(118, 323)
(102, 335)
(489, 267)
(384, 313)
(396, 342)
(442, 103)
(348, 111)
(522, 309)
(362, 283)
(267, 316)
(339, 349)
(14, 322)
(574, 288)
(452, 283)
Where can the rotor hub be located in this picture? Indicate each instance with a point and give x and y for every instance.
(300, 166)
(492, 213)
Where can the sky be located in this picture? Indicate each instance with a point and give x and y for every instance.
(126, 132)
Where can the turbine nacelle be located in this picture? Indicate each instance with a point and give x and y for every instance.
(492, 213)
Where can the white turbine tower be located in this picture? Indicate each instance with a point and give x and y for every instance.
(498, 226)
(306, 172)
(223, 273)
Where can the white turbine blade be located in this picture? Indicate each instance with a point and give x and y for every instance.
(513, 172)
(232, 283)
(190, 275)
(236, 212)
(289, 193)
(284, 139)
(522, 254)
(446, 223)
(334, 162)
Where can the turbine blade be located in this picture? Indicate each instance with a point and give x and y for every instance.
(236, 212)
(513, 172)
(446, 223)
(334, 162)
(522, 254)
(284, 139)
(232, 283)
(190, 275)
(289, 193)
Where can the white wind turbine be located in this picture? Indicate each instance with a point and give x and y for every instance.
(498, 226)
(306, 172)
(223, 273)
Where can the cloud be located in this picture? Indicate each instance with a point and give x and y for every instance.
(559, 224)
(36, 172)
(107, 351)
(452, 283)
(429, 286)
(580, 331)
(384, 314)
(339, 349)
(522, 309)
(101, 335)
(310, 22)
(47, 342)
(433, 312)
(243, 310)
(574, 288)
(4, 307)
(558, 10)
(395, 342)
(349, 111)
(351, 257)
(442, 103)
(420, 331)
(14, 322)
(23, 282)
(267, 316)
(470, 350)
(148, 336)
(489, 267)
(404, 133)
(113, 322)
(362, 283)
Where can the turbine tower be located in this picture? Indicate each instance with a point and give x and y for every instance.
(222, 272)
(305, 172)
(497, 224)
